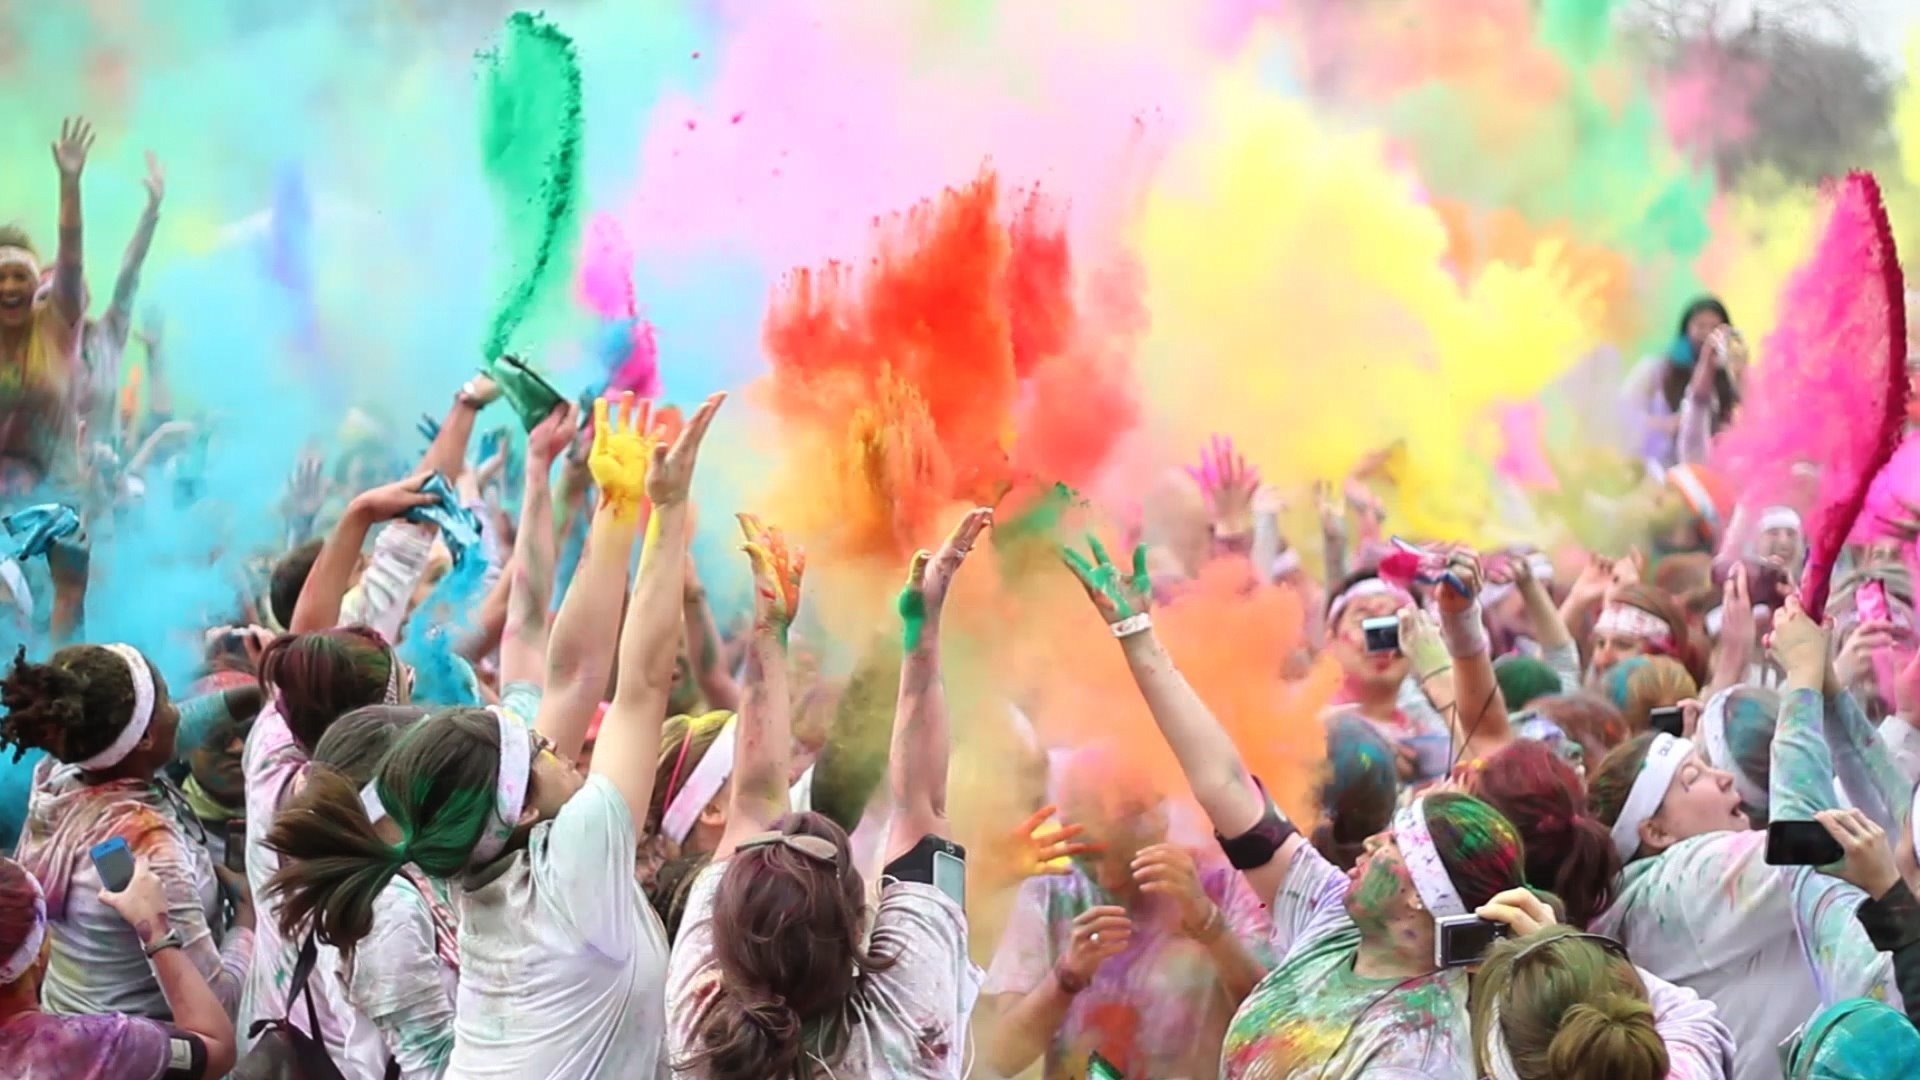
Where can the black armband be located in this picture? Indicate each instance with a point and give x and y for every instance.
(186, 1056)
(1256, 847)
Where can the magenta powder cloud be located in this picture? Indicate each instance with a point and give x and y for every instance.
(824, 116)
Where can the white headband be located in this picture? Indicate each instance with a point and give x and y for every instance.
(29, 951)
(10, 253)
(1780, 517)
(509, 795)
(1649, 791)
(510, 792)
(1366, 587)
(701, 785)
(1631, 621)
(137, 724)
(1719, 752)
(1430, 878)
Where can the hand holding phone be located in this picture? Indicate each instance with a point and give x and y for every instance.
(113, 860)
(236, 856)
(1802, 843)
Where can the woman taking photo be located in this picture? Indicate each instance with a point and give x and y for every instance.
(804, 981)
(1357, 992)
(103, 715)
(561, 958)
(1699, 905)
(1552, 1003)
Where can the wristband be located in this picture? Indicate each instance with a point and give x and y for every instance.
(1210, 930)
(1464, 632)
(1132, 624)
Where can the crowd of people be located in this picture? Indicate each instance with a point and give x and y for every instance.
(615, 841)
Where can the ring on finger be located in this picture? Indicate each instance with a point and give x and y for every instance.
(1096, 937)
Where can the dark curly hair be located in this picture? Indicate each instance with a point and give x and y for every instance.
(73, 706)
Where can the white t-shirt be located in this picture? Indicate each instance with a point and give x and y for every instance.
(906, 1021)
(562, 959)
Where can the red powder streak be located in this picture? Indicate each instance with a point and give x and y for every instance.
(943, 372)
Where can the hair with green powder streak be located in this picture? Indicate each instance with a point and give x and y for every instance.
(530, 145)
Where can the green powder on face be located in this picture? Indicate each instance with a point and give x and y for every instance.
(530, 147)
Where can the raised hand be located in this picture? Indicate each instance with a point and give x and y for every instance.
(70, 150)
(622, 455)
(1167, 870)
(389, 501)
(1115, 594)
(307, 487)
(156, 181)
(1229, 484)
(1034, 848)
(670, 478)
(777, 570)
(930, 575)
(1098, 934)
(551, 437)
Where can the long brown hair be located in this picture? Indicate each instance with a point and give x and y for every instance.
(437, 783)
(790, 957)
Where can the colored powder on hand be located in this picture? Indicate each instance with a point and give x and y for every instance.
(1841, 354)
(531, 121)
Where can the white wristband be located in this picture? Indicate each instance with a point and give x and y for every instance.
(1132, 624)
(1465, 632)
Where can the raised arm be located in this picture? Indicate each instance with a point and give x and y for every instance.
(1480, 711)
(1213, 766)
(523, 643)
(917, 758)
(119, 317)
(763, 753)
(319, 605)
(628, 749)
(69, 269)
(703, 646)
(586, 631)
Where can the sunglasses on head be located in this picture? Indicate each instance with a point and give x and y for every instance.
(813, 847)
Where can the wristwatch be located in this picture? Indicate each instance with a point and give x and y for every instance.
(168, 940)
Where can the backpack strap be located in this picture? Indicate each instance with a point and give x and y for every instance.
(302, 973)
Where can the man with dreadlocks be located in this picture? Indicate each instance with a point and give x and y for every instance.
(103, 715)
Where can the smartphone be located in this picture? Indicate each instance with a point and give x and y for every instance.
(1459, 940)
(1668, 718)
(1099, 1068)
(114, 862)
(1382, 634)
(1870, 601)
(1801, 843)
(237, 846)
(937, 862)
(1432, 755)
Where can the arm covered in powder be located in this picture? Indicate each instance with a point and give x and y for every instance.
(1699, 1046)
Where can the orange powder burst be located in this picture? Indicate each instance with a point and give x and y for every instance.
(955, 365)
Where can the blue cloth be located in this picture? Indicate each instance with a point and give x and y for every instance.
(34, 529)
(459, 526)
(16, 784)
(1859, 1039)
(1682, 354)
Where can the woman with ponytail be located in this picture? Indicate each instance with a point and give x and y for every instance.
(1568, 850)
(1552, 1003)
(1699, 905)
(782, 972)
(103, 715)
(561, 958)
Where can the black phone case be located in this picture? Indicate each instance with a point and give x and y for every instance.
(115, 869)
(1802, 843)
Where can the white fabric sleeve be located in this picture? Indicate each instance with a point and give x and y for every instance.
(400, 556)
(1699, 1046)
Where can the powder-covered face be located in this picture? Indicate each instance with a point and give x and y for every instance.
(551, 782)
(1782, 546)
(16, 295)
(1700, 800)
(1349, 645)
(1379, 885)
